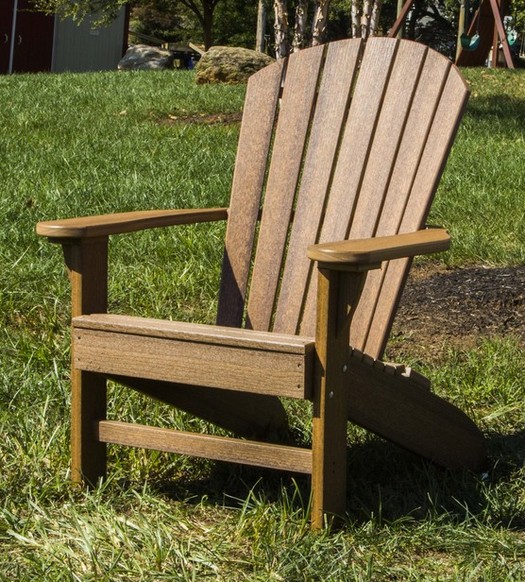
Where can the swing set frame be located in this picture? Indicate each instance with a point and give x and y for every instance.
(487, 22)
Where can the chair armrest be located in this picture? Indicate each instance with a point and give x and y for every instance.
(106, 224)
(362, 254)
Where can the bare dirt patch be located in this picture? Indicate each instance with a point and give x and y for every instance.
(457, 307)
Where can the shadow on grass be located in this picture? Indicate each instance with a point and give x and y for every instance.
(385, 483)
(499, 106)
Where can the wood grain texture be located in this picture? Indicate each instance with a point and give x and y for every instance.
(297, 102)
(194, 362)
(338, 294)
(107, 224)
(87, 263)
(371, 251)
(195, 333)
(450, 98)
(403, 412)
(385, 145)
(249, 177)
(331, 107)
(246, 452)
(379, 301)
(354, 150)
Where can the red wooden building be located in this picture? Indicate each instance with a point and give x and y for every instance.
(31, 41)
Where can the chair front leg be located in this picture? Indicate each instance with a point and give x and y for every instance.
(337, 295)
(87, 263)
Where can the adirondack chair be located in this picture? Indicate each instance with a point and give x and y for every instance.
(340, 153)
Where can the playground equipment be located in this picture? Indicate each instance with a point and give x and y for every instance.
(466, 42)
(485, 32)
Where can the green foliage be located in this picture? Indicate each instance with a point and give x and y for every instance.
(163, 19)
(233, 24)
(236, 22)
(105, 11)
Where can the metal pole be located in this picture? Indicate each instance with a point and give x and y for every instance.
(13, 31)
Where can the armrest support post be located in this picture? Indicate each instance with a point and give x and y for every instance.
(87, 264)
(337, 295)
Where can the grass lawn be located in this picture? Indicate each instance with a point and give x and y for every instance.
(97, 143)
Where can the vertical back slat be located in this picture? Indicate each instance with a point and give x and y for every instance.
(411, 137)
(432, 163)
(292, 129)
(331, 108)
(361, 140)
(385, 146)
(250, 170)
(355, 147)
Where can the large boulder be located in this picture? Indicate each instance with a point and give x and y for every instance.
(223, 64)
(143, 57)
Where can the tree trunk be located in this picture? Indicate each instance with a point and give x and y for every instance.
(365, 18)
(413, 15)
(204, 13)
(300, 26)
(320, 20)
(261, 26)
(355, 10)
(374, 19)
(207, 26)
(282, 48)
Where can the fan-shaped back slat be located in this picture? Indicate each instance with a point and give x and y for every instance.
(296, 108)
(359, 132)
(445, 123)
(259, 113)
(332, 105)
(382, 286)
(362, 136)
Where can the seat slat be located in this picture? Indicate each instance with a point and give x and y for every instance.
(195, 332)
(254, 453)
(292, 129)
(331, 107)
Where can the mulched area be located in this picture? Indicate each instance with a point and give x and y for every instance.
(456, 307)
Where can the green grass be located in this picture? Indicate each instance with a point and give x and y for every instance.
(79, 144)
(482, 195)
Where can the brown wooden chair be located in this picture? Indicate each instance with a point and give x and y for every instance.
(340, 153)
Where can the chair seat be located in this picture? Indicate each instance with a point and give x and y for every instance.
(201, 355)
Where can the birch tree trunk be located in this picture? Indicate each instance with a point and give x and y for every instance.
(365, 18)
(355, 11)
(282, 47)
(261, 26)
(320, 20)
(374, 19)
(299, 40)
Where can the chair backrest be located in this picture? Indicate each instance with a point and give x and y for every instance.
(345, 140)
